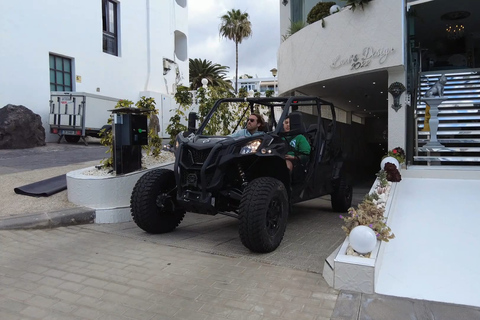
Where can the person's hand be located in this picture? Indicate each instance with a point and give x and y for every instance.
(289, 157)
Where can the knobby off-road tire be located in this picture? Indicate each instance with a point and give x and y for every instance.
(153, 202)
(342, 196)
(263, 214)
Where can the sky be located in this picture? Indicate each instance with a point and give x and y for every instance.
(257, 55)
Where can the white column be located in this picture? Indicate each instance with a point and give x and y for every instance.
(397, 121)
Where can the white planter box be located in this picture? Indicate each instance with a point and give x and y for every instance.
(347, 272)
(108, 195)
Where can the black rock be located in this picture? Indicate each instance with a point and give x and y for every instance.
(20, 128)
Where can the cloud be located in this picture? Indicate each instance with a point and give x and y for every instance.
(257, 54)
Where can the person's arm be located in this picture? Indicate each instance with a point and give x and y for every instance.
(302, 145)
(303, 148)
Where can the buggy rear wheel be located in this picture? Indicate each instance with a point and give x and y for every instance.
(263, 214)
(153, 202)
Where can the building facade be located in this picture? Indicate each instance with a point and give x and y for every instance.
(356, 58)
(117, 49)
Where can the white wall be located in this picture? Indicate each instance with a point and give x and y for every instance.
(307, 56)
(29, 32)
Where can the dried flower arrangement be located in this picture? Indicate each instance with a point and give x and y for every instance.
(371, 211)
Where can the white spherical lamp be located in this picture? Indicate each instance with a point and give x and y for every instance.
(334, 9)
(391, 160)
(362, 239)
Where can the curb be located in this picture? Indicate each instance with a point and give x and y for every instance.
(54, 219)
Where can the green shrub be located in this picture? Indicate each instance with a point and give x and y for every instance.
(319, 11)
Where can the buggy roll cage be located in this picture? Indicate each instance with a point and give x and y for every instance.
(271, 102)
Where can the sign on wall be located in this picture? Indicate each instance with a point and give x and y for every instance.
(364, 59)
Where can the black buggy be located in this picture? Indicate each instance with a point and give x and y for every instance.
(247, 177)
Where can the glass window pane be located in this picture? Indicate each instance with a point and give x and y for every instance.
(52, 62)
(59, 77)
(111, 17)
(60, 88)
(52, 76)
(58, 63)
(66, 65)
(67, 79)
(52, 87)
(69, 88)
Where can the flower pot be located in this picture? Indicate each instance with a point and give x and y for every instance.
(391, 160)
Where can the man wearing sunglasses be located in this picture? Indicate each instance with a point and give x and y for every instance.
(254, 122)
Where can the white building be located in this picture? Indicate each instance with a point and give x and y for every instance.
(354, 58)
(261, 85)
(118, 49)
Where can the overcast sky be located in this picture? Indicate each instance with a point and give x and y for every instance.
(257, 55)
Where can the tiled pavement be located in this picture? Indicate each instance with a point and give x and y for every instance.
(83, 272)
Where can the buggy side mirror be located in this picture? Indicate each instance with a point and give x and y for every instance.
(192, 122)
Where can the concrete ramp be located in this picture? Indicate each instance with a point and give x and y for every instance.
(435, 256)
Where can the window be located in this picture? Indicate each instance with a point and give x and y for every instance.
(60, 73)
(296, 8)
(110, 34)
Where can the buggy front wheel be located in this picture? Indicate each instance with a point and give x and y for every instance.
(263, 214)
(153, 203)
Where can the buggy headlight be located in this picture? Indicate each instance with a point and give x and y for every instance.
(250, 147)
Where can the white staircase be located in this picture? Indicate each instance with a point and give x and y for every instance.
(459, 119)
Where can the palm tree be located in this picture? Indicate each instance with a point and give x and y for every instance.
(213, 72)
(235, 26)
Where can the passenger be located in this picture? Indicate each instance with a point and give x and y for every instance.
(299, 144)
(254, 123)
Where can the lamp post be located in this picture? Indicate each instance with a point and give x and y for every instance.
(274, 74)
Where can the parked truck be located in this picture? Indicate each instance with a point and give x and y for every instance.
(77, 115)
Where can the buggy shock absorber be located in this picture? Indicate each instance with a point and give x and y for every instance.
(242, 175)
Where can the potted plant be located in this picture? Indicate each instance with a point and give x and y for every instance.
(101, 189)
(395, 156)
(354, 4)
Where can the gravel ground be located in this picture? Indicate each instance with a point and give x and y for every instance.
(14, 204)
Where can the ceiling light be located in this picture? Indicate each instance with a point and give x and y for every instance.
(323, 87)
(373, 82)
(455, 31)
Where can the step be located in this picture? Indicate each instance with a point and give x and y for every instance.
(454, 118)
(446, 159)
(452, 132)
(448, 141)
(455, 125)
(458, 110)
(448, 149)
(454, 103)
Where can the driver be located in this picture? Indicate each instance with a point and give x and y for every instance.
(254, 122)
